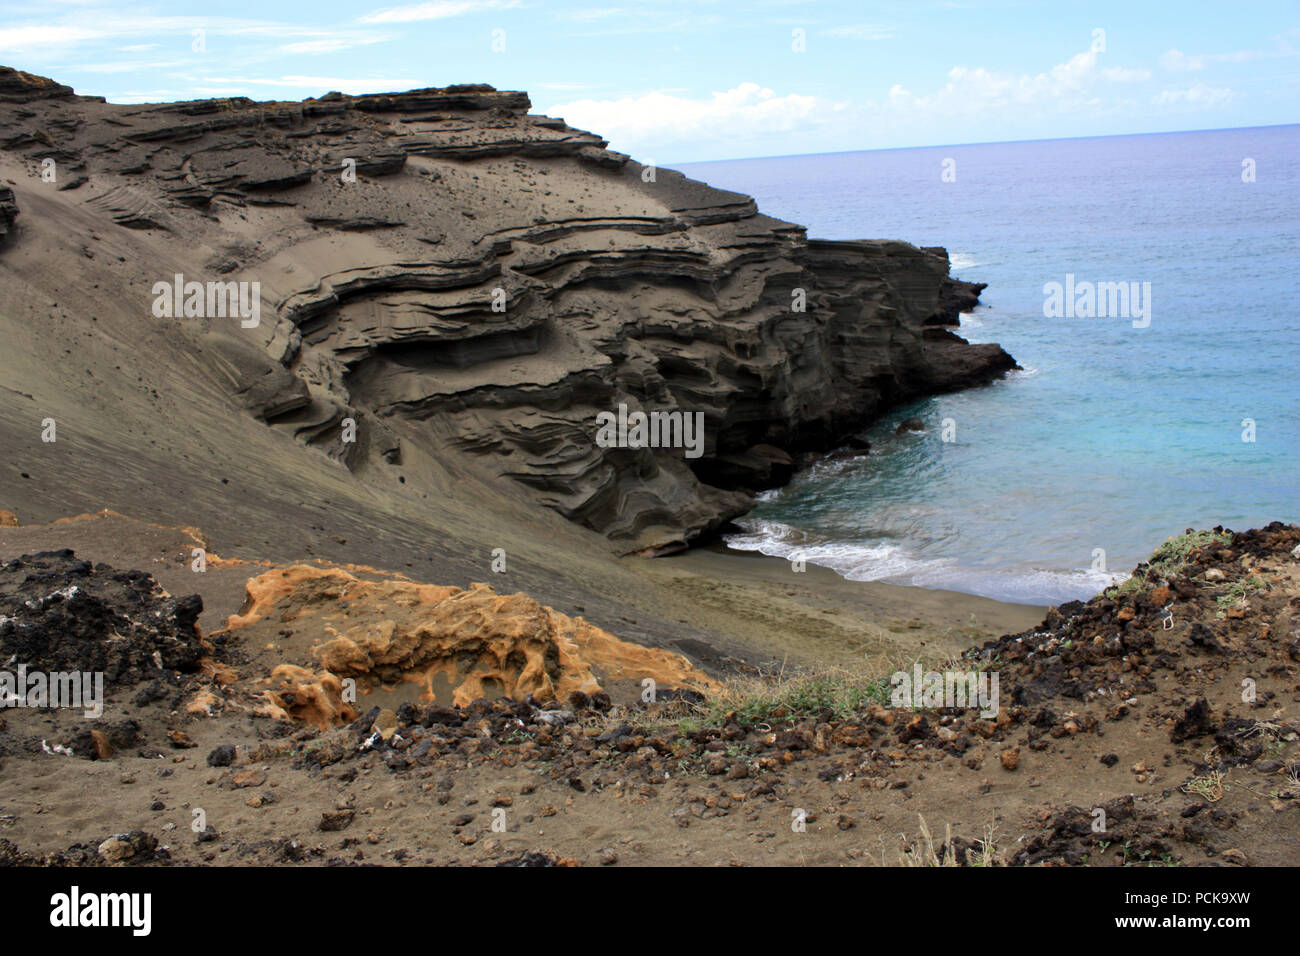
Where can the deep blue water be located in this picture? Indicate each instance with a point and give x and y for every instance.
(1113, 437)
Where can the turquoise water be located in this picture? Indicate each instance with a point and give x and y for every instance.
(1113, 437)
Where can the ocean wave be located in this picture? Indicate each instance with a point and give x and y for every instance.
(894, 563)
(855, 561)
(962, 260)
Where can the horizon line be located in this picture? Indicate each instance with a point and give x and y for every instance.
(993, 142)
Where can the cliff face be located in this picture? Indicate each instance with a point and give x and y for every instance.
(440, 270)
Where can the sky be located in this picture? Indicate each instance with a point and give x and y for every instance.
(693, 80)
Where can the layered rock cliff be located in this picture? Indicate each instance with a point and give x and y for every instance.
(442, 270)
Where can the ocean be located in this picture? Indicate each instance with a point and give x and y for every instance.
(1120, 431)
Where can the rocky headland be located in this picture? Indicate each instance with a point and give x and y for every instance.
(443, 274)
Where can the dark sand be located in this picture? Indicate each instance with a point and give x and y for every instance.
(818, 618)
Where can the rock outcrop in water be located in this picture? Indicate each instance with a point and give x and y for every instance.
(441, 269)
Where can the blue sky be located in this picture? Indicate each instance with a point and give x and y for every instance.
(687, 80)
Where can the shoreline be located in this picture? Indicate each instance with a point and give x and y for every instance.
(727, 610)
(816, 618)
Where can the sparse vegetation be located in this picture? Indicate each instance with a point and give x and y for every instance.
(1130, 856)
(763, 700)
(1210, 786)
(1236, 594)
(926, 851)
(1167, 560)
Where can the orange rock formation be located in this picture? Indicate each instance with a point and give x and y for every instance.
(476, 642)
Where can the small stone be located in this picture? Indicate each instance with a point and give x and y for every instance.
(248, 778)
(338, 820)
(103, 749)
(1010, 758)
(116, 849)
(1234, 856)
(222, 756)
(385, 724)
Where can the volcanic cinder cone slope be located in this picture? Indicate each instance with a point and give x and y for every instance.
(485, 284)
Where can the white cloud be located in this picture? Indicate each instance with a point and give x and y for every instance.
(1198, 94)
(128, 66)
(653, 124)
(436, 10)
(1176, 61)
(654, 121)
(861, 31)
(652, 21)
(19, 39)
(1119, 74)
(592, 14)
(330, 45)
(112, 26)
(1068, 86)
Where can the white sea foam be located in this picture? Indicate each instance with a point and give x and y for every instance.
(1026, 371)
(855, 561)
(895, 563)
(961, 260)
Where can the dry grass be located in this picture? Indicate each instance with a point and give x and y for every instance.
(1209, 785)
(926, 851)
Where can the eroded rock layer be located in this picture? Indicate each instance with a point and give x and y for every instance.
(456, 645)
(442, 269)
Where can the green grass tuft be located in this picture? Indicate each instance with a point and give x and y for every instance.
(1167, 560)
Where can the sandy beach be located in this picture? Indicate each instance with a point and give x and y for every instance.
(816, 617)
